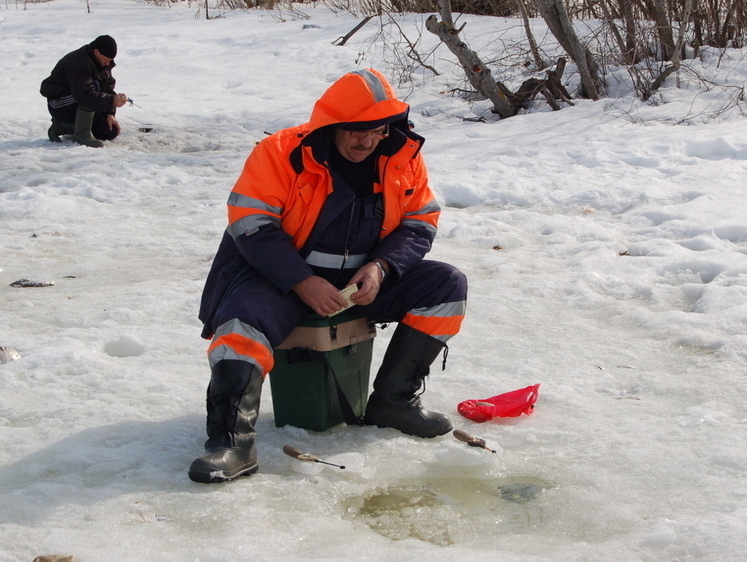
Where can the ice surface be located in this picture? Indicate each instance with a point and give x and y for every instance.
(606, 248)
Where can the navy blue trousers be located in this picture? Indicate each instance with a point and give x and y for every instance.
(256, 302)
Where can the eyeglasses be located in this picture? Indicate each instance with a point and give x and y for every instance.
(376, 133)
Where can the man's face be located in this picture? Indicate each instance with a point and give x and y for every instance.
(356, 146)
(101, 59)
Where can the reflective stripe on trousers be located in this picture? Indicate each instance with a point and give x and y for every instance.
(442, 321)
(236, 340)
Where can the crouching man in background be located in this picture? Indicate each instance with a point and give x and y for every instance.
(80, 94)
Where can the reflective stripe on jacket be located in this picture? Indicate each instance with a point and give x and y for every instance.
(270, 192)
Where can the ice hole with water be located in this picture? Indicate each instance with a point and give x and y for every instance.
(445, 511)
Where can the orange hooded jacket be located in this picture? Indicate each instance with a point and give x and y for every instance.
(277, 200)
(271, 190)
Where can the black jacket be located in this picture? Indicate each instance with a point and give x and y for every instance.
(79, 74)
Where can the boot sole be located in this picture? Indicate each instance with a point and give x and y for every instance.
(380, 426)
(85, 142)
(218, 476)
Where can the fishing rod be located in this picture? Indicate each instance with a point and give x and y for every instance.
(308, 457)
(471, 440)
(145, 128)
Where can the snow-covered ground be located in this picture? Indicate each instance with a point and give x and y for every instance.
(605, 246)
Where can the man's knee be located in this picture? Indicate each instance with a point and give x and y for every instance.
(106, 134)
(101, 129)
(453, 282)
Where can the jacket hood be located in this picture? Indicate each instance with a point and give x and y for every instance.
(361, 100)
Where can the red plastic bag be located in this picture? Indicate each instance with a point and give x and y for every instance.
(508, 405)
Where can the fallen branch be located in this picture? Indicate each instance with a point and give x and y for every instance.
(340, 41)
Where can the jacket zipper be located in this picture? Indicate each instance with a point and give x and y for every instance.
(346, 249)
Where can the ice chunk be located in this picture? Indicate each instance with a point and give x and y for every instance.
(125, 346)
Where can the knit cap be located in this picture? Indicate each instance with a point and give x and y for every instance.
(106, 45)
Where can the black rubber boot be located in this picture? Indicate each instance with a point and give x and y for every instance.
(59, 128)
(232, 410)
(394, 402)
(82, 133)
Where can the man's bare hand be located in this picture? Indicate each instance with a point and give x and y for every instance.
(321, 295)
(120, 100)
(369, 280)
(113, 123)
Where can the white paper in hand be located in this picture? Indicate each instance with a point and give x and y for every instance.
(345, 293)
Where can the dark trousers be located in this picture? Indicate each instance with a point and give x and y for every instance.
(254, 301)
(63, 109)
(99, 129)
